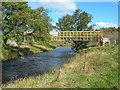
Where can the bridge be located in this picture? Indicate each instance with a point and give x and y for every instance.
(78, 36)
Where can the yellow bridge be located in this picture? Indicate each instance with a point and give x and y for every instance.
(78, 36)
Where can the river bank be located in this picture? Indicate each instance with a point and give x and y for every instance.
(12, 52)
(91, 68)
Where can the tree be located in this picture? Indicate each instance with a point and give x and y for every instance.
(110, 32)
(14, 20)
(40, 25)
(65, 23)
(19, 21)
(81, 20)
(78, 21)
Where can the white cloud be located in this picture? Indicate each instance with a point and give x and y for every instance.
(60, 4)
(60, 7)
(104, 25)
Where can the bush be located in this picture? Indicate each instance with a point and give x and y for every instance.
(77, 45)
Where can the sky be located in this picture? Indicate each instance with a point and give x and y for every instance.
(105, 14)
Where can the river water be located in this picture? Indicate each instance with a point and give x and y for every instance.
(35, 64)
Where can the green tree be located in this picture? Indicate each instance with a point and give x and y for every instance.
(78, 21)
(65, 23)
(14, 20)
(81, 20)
(20, 21)
(40, 25)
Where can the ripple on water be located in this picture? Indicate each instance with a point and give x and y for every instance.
(37, 63)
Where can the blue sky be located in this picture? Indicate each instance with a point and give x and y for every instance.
(105, 14)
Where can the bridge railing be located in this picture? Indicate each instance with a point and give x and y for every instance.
(77, 35)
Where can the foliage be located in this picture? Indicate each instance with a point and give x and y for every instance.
(76, 22)
(81, 20)
(77, 45)
(41, 24)
(65, 23)
(10, 52)
(112, 33)
(22, 24)
(19, 21)
(14, 20)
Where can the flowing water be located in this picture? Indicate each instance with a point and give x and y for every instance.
(35, 64)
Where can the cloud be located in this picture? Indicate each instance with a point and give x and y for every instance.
(60, 7)
(57, 8)
(104, 25)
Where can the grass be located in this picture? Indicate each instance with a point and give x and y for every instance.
(92, 68)
(37, 48)
(60, 43)
(11, 52)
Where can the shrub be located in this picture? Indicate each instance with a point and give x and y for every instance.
(77, 45)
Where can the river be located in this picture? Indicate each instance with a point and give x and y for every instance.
(35, 64)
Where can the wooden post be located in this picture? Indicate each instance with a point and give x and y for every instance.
(109, 41)
(58, 74)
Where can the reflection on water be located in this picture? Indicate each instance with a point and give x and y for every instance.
(36, 64)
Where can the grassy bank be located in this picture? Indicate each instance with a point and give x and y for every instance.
(10, 52)
(13, 52)
(60, 43)
(91, 68)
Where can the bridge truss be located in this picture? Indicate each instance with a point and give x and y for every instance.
(78, 36)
